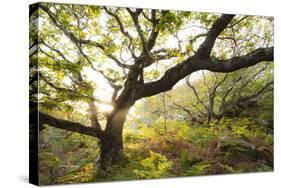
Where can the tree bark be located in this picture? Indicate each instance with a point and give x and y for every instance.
(111, 150)
(111, 140)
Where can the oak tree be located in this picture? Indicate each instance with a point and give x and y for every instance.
(125, 46)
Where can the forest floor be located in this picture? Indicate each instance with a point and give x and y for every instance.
(160, 151)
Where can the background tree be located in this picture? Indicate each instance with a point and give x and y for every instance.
(215, 96)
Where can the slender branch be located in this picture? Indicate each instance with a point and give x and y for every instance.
(187, 81)
(76, 40)
(237, 22)
(115, 93)
(164, 54)
(92, 107)
(51, 84)
(259, 92)
(154, 32)
(205, 34)
(226, 94)
(135, 19)
(228, 105)
(42, 77)
(111, 81)
(33, 52)
(205, 81)
(56, 50)
(180, 107)
(122, 29)
(248, 80)
(93, 115)
(119, 22)
(215, 87)
(212, 95)
(200, 111)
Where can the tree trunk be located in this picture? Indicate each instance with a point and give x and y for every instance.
(111, 141)
(111, 150)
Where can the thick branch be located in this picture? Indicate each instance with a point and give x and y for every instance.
(205, 48)
(68, 125)
(236, 63)
(192, 64)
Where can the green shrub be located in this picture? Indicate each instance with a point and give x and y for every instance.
(197, 169)
(155, 166)
(185, 161)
